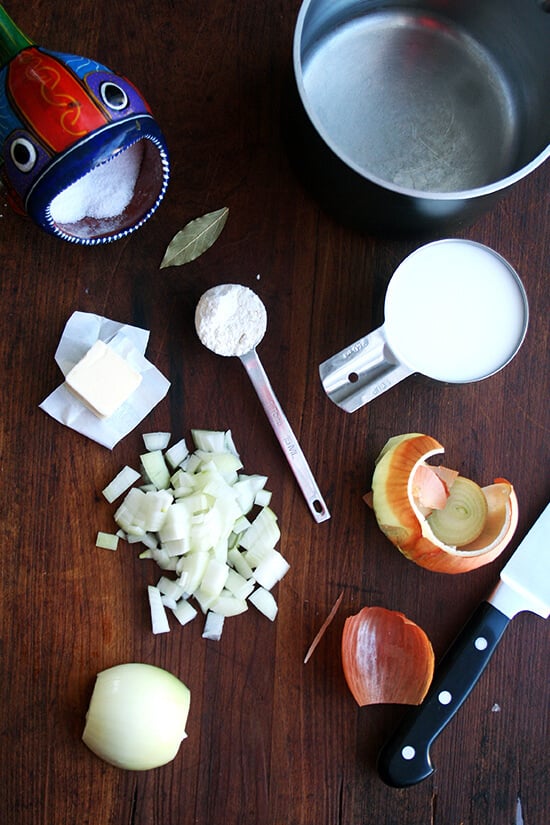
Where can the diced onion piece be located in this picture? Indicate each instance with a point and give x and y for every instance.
(214, 578)
(154, 509)
(213, 626)
(212, 440)
(226, 463)
(205, 530)
(241, 524)
(255, 554)
(137, 716)
(149, 540)
(271, 569)
(246, 489)
(156, 441)
(135, 531)
(177, 453)
(107, 541)
(120, 483)
(227, 604)
(196, 503)
(204, 600)
(127, 512)
(142, 512)
(177, 524)
(263, 532)
(136, 539)
(191, 463)
(263, 498)
(170, 587)
(238, 585)
(156, 469)
(159, 619)
(463, 517)
(176, 547)
(229, 443)
(164, 561)
(168, 601)
(386, 658)
(219, 551)
(193, 566)
(184, 612)
(240, 563)
(264, 601)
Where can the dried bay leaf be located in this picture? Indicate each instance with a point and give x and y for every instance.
(195, 238)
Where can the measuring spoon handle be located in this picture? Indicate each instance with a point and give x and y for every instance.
(285, 436)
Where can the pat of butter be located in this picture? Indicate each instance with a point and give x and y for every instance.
(102, 380)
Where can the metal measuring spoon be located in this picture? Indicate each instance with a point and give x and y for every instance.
(231, 320)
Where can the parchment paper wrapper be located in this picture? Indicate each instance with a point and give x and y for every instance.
(81, 332)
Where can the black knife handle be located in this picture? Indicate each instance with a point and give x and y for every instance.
(405, 758)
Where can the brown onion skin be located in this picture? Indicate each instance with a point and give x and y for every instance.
(428, 555)
(386, 658)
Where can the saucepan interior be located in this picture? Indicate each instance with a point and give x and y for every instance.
(440, 102)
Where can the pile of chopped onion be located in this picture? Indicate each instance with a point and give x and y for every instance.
(206, 524)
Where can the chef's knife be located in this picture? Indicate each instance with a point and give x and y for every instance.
(524, 585)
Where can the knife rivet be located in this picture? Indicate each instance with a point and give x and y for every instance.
(408, 752)
(481, 643)
(445, 697)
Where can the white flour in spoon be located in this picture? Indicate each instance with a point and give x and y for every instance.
(105, 192)
(230, 319)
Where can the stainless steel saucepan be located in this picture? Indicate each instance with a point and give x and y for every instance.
(417, 115)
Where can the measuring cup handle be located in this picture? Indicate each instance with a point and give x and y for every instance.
(285, 436)
(362, 371)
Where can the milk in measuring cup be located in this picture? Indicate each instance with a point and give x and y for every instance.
(455, 311)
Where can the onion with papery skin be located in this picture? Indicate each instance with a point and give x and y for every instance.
(137, 716)
(387, 658)
(403, 519)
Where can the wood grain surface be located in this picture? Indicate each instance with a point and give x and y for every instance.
(270, 741)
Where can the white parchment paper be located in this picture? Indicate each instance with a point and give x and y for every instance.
(81, 332)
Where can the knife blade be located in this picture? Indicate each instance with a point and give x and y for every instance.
(524, 584)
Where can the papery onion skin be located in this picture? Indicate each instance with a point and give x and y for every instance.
(386, 658)
(406, 526)
(394, 466)
(137, 716)
(429, 489)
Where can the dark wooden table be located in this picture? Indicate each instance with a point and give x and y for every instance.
(271, 741)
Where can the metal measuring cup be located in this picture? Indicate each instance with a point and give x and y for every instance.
(455, 311)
